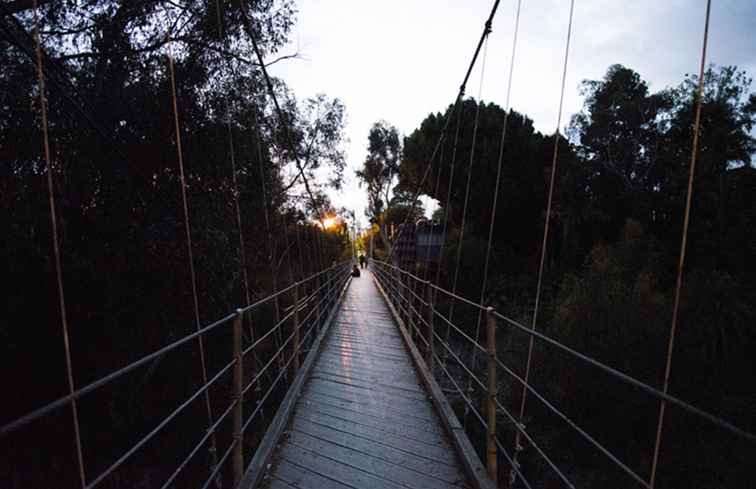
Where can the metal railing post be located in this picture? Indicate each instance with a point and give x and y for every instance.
(431, 330)
(296, 327)
(491, 435)
(238, 421)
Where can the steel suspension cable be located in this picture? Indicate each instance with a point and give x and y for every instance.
(469, 178)
(60, 402)
(247, 24)
(273, 256)
(459, 109)
(683, 245)
(544, 241)
(298, 240)
(432, 226)
(235, 188)
(234, 179)
(289, 245)
(457, 101)
(575, 354)
(263, 188)
(56, 245)
(498, 171)
(315, 231)
(492, 222)
(57, 76)
(187, 229)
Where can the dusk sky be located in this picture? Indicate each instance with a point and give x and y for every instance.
(399, 60)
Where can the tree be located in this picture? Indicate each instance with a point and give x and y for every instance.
(619, 130)
(522, 188)
(728, 115)
(123, 247)
(380, 167)
(379, 172)
(316, 134)
(402, 209)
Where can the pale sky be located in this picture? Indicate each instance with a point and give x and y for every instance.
(399, 60)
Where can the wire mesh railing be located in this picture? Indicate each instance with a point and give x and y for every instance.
(259, 369)
(452, 352)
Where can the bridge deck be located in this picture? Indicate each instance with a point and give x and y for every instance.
(364, 419)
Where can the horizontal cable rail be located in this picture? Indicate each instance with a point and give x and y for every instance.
(315, 306)
(160, 426)
(468, 402)
(590, 439)
(721, 423)
(338, 280)
(64, 400)
(259, 407)
(479, 382)
(199, 444)
(406, 291)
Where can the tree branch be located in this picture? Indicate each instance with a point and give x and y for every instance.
(307, 159)
(247, 24)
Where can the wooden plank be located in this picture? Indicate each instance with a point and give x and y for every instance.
(300, 477)
(380, 380)
(365, 360)
(387, 370)
(376, 413)
(369, 343)
(279, 484)
(471, 462)
(257, 466)
(333, 470)
(374, 384)
(364, 419)
(372, 346)
(413, 432)
(445, 471)
(421, 416)
(399, 440)
(375, 398)
(345, 350)
(367, 389)
(371, 464)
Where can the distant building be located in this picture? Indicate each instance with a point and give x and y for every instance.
(404, 246)
(428, 241)
(418, 244)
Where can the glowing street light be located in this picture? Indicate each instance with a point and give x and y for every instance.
(330, 222)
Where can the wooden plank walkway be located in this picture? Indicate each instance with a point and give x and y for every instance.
(364, 419)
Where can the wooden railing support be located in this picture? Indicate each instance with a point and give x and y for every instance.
(431, 354)
(296, 327)
(491, 435)
(238, 421)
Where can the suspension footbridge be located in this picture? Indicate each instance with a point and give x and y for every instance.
(330, 380)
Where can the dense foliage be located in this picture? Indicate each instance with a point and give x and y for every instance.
(612, 256)
(121, 225)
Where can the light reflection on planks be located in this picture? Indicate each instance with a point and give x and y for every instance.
(364, 420)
